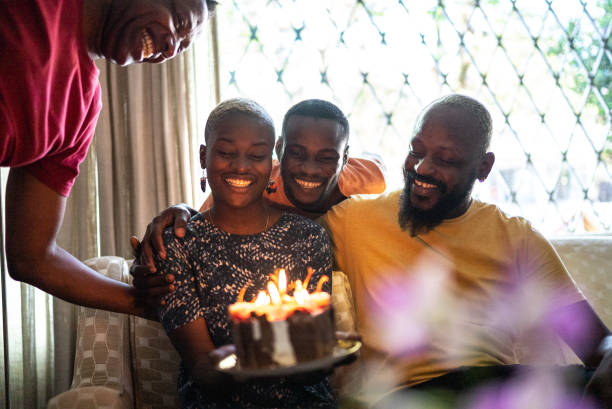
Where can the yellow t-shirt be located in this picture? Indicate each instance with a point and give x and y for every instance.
(428, 304)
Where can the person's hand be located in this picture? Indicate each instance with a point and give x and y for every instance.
(206, 376)
(349, 338)
(600, 385)
(149, 287)
(152, 241)
(219, 354)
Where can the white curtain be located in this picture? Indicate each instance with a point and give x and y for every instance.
(143, 159)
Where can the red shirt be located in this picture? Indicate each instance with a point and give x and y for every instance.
(49, 90)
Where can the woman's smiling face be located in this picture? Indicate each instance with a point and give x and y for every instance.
(238, 160)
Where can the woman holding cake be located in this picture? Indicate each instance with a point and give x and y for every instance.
(237, 244)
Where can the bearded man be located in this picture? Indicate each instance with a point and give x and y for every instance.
(430, 254)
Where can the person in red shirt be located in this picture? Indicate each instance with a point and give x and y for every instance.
(49, 106)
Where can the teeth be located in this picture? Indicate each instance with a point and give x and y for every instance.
(147, 44)
(308, 185)
(238, 182)
(424, 185)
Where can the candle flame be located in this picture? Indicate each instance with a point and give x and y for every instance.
(280, 299)
(262, 299)
(301, 296)
(310, 271)
(274, 293)
(241, 294)
(322, 281)
(282, 281)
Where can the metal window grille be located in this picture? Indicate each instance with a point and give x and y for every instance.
(542, 67)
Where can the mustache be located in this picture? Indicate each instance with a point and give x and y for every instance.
(410, 176)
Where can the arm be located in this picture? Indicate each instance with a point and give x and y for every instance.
(583, 331)
(193, 343)
(182, 315)
(364, 175)
(571, 316)
(575, 321)
(34, 214)
(296, 210)
(591, 340)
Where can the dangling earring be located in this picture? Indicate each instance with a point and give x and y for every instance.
(203, 181)
(271, 188)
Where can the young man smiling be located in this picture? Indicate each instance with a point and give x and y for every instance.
(49, 106)
(315, 169)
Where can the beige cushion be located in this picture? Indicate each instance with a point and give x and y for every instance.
(155, 365)
(102, 375)
(89, 397)
(342, 300)
(102, 350)
(589, 261)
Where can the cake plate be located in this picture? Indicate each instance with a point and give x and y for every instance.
(343, 350)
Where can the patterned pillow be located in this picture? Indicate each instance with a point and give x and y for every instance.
(155, 364)
(102, 365)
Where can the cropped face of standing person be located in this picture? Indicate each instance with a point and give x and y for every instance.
(51, 101)
(238, 160)
(134, 31)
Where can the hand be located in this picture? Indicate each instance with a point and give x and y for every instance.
(152, 241)
(219, 354)
(348, 336)
(208, 378)
(149, 287)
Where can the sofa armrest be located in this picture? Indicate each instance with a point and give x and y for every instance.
(587, 259)
(589, 262)
(342, 301)
(102, 368)
(100, 397)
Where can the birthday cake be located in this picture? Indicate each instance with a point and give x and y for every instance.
(283, 329)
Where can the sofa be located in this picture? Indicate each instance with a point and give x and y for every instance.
(128, 362)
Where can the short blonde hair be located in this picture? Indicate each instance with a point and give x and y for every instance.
(236, 106)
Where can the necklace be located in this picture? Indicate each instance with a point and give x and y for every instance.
(211, 220)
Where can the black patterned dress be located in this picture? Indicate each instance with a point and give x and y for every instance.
(211, 267)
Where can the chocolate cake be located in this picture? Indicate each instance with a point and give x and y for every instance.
(302, 336)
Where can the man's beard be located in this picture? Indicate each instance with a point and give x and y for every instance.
(421, 221)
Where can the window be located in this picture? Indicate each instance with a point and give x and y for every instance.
(543, 69)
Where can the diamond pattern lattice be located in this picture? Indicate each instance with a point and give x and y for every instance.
(542, 67)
